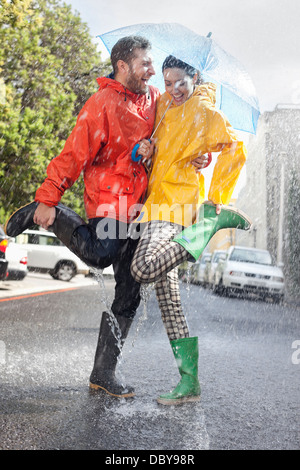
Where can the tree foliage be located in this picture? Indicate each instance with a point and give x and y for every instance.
(48, 69)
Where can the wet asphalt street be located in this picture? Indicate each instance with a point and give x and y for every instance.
(249, 371)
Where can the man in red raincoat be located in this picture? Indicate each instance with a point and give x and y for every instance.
(120, 114)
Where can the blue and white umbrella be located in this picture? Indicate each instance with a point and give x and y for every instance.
(236, 95)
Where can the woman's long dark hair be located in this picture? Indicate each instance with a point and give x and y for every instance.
(172, 62)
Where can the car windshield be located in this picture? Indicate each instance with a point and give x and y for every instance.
(217, 257)
(249, 256)
(38, 239)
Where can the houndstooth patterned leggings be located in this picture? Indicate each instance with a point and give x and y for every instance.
(155, 260)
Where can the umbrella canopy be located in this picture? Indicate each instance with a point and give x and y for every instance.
(236, 95)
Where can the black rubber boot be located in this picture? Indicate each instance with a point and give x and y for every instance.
(81, 238)
(70, 228)
(110, 342)
(20, 220)
(65, 223)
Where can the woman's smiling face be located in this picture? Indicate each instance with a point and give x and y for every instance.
(179, 84)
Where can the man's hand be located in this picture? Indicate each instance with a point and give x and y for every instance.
(44, 215)
(202, 161)
(218, 208)
(146, 149)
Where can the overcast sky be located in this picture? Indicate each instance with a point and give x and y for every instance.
(264, 35)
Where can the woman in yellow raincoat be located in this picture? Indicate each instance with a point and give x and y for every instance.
(191, 127)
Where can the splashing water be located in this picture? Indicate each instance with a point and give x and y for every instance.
(188, 280)
(113, 323)
(98, 273)
(145, 295)
(146, 290)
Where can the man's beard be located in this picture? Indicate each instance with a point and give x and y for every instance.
(135, 84)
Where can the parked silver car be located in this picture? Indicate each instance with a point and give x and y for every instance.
(212, 265)
(198, 269)
(249, 270)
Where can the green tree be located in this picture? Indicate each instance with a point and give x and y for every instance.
(48, 69)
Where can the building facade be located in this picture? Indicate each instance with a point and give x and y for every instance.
(272, 191)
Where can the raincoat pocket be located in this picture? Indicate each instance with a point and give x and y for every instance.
(116, 197)
(117, 185)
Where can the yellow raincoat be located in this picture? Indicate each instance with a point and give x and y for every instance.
(175, 190)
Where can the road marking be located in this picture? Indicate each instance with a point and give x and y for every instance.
(37, 293)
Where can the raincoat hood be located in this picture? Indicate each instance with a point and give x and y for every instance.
(207, 92)
(111, 83)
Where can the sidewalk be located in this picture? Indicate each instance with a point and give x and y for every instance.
(38, 282)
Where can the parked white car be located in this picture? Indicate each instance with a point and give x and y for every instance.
(249, 270)
(198, 269)
(46, 253)
(17, 262)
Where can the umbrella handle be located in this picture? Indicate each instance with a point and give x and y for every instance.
(134, 156)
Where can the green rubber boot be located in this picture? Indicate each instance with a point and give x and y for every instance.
(186, 353)
(195, 238)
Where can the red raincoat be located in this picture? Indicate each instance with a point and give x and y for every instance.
(109, 125)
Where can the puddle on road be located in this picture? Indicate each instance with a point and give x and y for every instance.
(48, 404)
